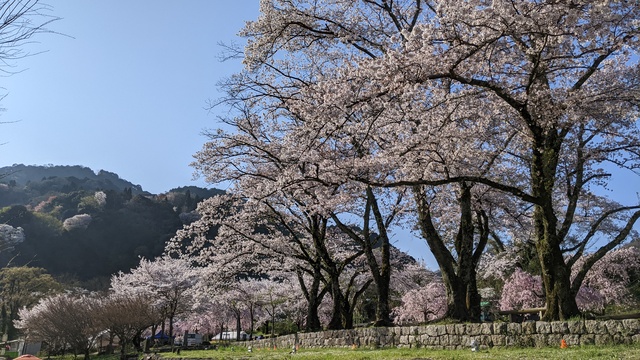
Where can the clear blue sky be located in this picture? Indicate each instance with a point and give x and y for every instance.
(127, 93)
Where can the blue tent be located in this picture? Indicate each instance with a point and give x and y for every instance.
(161, 335)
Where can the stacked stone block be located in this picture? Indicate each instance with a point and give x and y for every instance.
(460, 336)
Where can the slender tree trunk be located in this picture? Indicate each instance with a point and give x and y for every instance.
(251, 321)
(237, 313)
(123, 345)
(381, 272)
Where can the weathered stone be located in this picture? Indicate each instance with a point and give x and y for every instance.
(465, 340)
(539, 340)
(430, 341)
(511, 340)
(630, 327)
(572, 339)
(559, 327)
(498, 340)
(543, 327)
(576, 327)
(595, 327)
(575, 333)
(529, 327)
(514, 329)
(486, 329)
(473, 329)
(486, 340)
(455, 340)
(603, 339)
(621, 339)
(500, 328)
(554, 340)
(613, 327)
(431, 331)
(587, 339)
(450, 329)
(423, 329)
(525, 341)
(413, 330)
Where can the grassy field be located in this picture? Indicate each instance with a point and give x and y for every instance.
(582, 353)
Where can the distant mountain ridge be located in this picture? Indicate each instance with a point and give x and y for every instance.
(86, 178)
(122, 221)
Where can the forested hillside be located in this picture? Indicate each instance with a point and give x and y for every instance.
(82, 226)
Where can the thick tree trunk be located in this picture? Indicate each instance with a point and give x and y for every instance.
(458, 274)
(383, 312)
(347, 314)
(556, 275)
(313, 295)
(313, 319)
(313, 302)
(456, 298)
(556, 279)
(339, 312)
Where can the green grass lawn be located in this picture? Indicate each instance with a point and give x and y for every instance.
(582, 353)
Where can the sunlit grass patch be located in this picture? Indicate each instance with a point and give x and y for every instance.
(581, 353)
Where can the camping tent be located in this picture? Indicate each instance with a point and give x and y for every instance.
(161, 335)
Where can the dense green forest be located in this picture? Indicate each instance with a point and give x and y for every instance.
(82, 226)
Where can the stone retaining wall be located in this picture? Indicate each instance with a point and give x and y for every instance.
(459, 336)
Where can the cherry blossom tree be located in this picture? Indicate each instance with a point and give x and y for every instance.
(464, 104)
(101, 198)
(522, 291)
(300, 33)
(557, 82)
(127, 317)
(422, 305)
(613, 276)
(274, 235)
(275, 296)
(10, 236)
(169, 282)
(374, 240)
(250, 290)
(63, 320)
(254, 238)
(80, 221)
(289, 46)
(212, 314)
